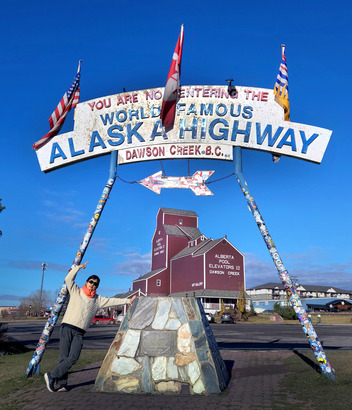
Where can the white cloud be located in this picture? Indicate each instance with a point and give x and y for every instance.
(70, 216)
(99, 244)
(59, 207)
(338, 275)
(135, 255)
(10, 297)
(135, 265)
(259, 271)
(299, 266)
(36, 265)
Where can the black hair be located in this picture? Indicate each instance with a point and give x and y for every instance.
(94, 277)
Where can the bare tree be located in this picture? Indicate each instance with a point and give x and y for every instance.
(5, 314)
(34, 304)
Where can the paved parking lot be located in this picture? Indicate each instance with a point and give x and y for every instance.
(240, 336)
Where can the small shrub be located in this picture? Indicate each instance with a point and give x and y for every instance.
(252, 310)
(286, 312)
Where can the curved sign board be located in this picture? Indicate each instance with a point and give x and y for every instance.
(208, 123)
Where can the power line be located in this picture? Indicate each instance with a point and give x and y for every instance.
(219, 179)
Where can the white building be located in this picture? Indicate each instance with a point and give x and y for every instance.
(276, 291)
(264, 296)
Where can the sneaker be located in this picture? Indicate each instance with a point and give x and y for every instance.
(63, 388)
(49, 382)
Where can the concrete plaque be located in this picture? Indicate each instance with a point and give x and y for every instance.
(158, 343)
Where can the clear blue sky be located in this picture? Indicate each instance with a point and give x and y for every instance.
(129, 45)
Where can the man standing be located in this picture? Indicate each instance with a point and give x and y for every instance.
(83, 305)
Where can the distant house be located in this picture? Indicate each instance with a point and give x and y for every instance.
(187, 263)
(276, 291)
(116, 311)
(264, 296)
(328, 305)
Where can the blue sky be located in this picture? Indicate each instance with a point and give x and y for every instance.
(129, 45)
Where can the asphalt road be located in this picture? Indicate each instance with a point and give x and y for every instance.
(240, 336)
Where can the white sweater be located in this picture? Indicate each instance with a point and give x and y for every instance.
(81, 309)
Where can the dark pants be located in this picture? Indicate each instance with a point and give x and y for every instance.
(71, 342)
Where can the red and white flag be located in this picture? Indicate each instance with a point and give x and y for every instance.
(57, 118)
(168, 108)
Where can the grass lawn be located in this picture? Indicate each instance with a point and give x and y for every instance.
(304, 382)
(316, 390)
(13, 370)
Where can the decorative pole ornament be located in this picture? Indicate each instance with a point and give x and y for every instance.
(231, 88)
(291, 292)
(195, 182)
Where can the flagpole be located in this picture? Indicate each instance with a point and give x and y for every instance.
(78, 71)
(34, 364)
(291, 292)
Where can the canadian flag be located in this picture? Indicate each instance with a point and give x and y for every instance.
(168, 108)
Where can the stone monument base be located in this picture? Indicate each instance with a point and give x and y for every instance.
(164, 345)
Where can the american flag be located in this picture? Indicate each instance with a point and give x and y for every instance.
(281, 86)
(57, 118)
(168, 107)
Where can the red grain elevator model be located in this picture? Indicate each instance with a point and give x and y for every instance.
(187, 263)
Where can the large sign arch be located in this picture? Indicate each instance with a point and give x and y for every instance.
(209, 122)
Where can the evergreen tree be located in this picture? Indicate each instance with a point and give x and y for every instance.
(241, 303)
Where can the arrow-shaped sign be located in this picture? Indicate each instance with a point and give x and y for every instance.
(195, 182)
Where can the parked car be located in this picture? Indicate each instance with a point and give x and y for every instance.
(210, 317)
(99, 319)
(227, 318)
(120, 318)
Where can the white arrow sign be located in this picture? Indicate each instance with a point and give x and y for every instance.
(195, 182)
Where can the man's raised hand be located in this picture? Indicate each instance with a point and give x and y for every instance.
(83, 266)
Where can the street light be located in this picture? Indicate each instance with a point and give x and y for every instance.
(44, 267)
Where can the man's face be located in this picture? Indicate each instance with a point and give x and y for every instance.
(92, 284)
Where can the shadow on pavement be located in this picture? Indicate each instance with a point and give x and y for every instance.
(84, 370)
(229, 366)
(88, 383)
